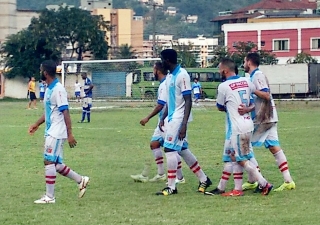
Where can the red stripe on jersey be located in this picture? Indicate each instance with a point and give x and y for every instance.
(237, 85)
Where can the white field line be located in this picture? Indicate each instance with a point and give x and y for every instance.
(148, 129)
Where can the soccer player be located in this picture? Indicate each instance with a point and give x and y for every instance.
(265, 120)
(77, 90)
(158, 136)
(58, 130)
(32, 93)
(231, 94)
(87, 100)
(42, 88)
(196, 87)
(178, 111)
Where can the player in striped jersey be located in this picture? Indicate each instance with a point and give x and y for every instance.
(87, 100)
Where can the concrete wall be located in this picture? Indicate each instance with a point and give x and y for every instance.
(18, 87)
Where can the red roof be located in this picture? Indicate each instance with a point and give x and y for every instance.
(236, 16)
(268, 5)
(280, 5)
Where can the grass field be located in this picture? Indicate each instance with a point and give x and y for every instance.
(114, 146)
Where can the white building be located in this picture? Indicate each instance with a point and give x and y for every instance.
(202, 47)
(192, 19)
(171, 11)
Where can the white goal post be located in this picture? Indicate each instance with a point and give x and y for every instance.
(119, 78)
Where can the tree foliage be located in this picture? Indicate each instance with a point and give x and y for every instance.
(185, 56)
(239, 53)
(304, 57)
(48, 36)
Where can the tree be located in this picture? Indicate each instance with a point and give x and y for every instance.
(185, 55)
(48, 36)
(125, 52)
(304, 58)
(239, 53)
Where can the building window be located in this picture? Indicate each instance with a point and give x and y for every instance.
(315, 43)
(263, 43)
(281, 45)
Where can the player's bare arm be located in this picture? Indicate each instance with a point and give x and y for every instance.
(187, 110)
(34, 127)
(263, 94)
(72, 141)
(155, 111)
(243, 109)
(164, 116)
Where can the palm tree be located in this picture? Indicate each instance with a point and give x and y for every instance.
(125, 52)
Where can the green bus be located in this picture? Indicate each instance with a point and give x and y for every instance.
(144, 86)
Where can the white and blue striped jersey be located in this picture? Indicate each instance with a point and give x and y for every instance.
(55, 102)
(162, 96)
(231, 94)
(86, 86)
(178, 84)
(261, 83)
(196, 87)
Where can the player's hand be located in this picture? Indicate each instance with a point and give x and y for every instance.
(72, 141)
(33, 128)
(144, 121)
(242, 109)
(161, 124)
(183, 132)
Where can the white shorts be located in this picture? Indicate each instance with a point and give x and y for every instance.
(158, 135)
(172, 136)
(87, 102)
(53, 149)
(238, 146)
(266, 133)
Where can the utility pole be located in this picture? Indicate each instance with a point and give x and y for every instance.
(154, 52)
(154, 21)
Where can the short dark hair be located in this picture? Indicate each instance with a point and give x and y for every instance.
(50, 67)
(170, 55)
(228, 63)
(254, 58)
(159, 66)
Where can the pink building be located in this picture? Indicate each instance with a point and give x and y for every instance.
(286, 38)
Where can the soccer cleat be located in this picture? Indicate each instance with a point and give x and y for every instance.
(233, 193)
(204, 185)
(45, 200)
(167, 191)
(249, 186)
(83, 186)
(140, 178)
(286, 186)
(215, 191)
(181, 181)
(158, 177)
(266, 190)
(258, 189)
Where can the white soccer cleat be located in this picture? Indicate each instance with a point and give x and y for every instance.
(83, 186)
(45, 200)
(139, 178)
(182, 181)
(158, 177)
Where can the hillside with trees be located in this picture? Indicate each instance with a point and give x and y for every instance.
(206, 10)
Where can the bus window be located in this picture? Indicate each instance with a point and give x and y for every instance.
(217, 77)
(148, 76)
(210, 77)
(136, 77)
(203, 77)
(193, 75)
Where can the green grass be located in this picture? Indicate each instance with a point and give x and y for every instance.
(114, 146)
